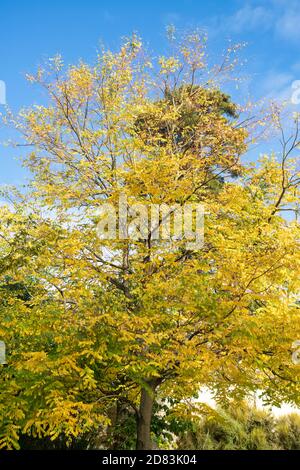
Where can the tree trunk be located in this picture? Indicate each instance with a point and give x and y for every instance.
(144, 417)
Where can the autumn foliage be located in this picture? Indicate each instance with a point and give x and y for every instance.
(93, 325)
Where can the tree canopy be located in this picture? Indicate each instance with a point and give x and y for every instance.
(90, 323)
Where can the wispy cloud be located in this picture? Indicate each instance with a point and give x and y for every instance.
(288, 24)
(280, 17)
(249, 18)
(276, 85)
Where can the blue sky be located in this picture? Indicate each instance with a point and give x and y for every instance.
(31, 31)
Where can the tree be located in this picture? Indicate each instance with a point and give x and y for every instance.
(127, 321)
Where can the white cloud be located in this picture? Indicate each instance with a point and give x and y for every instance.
(288, 25)
(282, 18)
(276, 85)
(249, 18)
